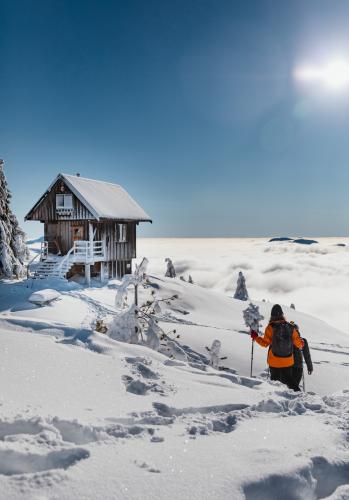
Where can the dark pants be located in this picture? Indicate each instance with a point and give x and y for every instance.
(297, 374)
(285, 376)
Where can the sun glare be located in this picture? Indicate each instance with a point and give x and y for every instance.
(334, 75)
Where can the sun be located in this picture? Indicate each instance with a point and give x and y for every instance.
(333, 75)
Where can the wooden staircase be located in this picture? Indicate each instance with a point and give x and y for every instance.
(54, 266)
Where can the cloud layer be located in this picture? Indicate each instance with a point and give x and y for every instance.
(313, 277)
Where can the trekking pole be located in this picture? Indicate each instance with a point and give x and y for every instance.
(303, 380)
(303, 372)
(252, 357)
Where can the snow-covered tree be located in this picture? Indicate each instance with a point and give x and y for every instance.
(252, 317)
(139, 324)
(170, 271)
(241, 290)
(13, 250)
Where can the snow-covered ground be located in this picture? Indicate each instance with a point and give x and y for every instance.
(84, 416)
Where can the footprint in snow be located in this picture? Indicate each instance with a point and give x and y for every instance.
(140, 367)
(15, 462)
(145, 466)
(54, 441)
(318, 480)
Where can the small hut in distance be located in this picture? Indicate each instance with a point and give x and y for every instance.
(89, 227)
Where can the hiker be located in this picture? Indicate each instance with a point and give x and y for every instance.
(280, 336)
(298, 354)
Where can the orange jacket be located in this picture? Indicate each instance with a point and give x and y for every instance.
(265, 341)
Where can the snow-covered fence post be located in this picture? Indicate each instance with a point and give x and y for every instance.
(241, 290)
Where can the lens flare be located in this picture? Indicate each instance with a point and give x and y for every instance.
(333, 75)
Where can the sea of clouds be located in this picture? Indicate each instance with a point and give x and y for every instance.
(313, 277)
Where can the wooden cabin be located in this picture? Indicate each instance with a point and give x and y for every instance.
(89, 226)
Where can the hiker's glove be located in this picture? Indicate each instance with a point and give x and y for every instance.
(310, 372)
(254, 335)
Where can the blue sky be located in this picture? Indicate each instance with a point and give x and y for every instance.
(191, 105)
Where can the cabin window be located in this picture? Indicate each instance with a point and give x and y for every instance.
(64, 201)
(122, 233)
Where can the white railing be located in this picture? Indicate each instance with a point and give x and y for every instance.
(61, 270)
(88, 251)
(82, 252)
(44, 250)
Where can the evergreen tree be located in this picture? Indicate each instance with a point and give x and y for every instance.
(292, 306)
(13, 250)
(170, 271)
(241, 290)
(190, 280)
(252, 317)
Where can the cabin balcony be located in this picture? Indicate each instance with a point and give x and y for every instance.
(87, 252)
(82, 252)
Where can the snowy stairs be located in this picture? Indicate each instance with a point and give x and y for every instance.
(51, 268)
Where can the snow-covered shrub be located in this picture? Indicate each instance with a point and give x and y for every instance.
(292, 306)
(170, 271)
(139, 323)
(252, 317)
(153, 333)
(241, 290)
(214, 353)
(126, 326)
(13, 250)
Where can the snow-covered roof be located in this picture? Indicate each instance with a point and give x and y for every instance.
(103, 199)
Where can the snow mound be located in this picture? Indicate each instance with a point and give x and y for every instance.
(44, 297)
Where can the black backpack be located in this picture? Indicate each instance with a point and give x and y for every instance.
(282, 343)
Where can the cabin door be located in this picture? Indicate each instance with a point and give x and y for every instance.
(77, 233)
